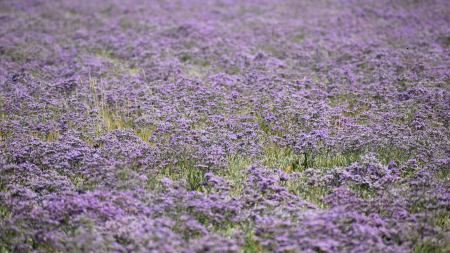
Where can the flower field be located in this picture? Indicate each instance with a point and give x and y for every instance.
(225, 126)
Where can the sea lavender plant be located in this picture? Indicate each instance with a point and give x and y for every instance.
(224, 126)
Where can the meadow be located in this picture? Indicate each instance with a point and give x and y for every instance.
(225, 126)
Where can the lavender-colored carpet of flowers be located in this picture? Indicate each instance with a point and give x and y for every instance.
(224, 126)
